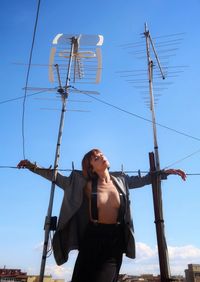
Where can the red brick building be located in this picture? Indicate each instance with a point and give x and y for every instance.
(12, 275)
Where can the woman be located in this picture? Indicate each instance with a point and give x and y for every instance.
(95, 217)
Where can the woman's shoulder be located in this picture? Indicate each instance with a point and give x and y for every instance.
(119, 177)
(118, 174)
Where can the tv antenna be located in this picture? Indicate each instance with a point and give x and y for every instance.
(162, 70)
(151, 88)
(83, 67)
(73, 59)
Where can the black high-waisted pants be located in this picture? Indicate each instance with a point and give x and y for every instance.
(100, 254)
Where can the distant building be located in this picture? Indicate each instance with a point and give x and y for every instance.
(147, 278)
(192, 274)
(12, 275)
(141, 278)
(16, 275)
(47, 278)
(177, 278)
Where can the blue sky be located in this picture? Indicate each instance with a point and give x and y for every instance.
(124, 138)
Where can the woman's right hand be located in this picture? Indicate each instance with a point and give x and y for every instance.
(25, 164)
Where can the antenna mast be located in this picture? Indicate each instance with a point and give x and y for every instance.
(139, 80)
(73, 57)
(157, 193)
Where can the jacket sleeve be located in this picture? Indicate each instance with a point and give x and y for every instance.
(140, 181)
(61, 181)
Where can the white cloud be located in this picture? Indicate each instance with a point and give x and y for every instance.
(143, 251)
(147, 259)
(62, 272)
(184, 252)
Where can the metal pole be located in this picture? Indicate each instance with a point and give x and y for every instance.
(48, 220)
(150, 79)
(159, 222)
(157, 193)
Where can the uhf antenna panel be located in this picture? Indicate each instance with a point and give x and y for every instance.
(86, 60)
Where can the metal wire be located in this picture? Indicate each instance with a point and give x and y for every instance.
(27, 78)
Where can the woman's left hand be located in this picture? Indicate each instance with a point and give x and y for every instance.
(179, 172)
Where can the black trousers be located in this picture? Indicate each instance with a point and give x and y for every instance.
(100, 254)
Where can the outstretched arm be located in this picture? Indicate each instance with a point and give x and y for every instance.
(61, 181)
(140, 181)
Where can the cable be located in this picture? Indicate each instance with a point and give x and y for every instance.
(180, 160)
(69, 170)
(7, 166)
(21, 97)
(126, 171)
(140, 117)
(6, 101)
(27, 78)
(113, 106)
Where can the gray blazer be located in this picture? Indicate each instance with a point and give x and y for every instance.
(74, 212)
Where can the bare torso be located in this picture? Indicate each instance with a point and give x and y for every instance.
(108, 201)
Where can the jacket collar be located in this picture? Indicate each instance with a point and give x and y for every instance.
(119, 183)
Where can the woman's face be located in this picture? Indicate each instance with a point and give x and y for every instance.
(99, 162)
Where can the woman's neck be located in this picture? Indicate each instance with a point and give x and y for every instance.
(104, 176)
